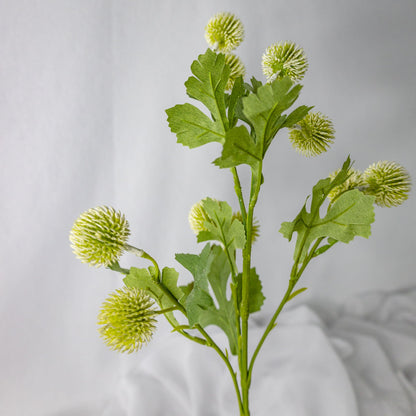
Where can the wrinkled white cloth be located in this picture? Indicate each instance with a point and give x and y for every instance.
(358, 360)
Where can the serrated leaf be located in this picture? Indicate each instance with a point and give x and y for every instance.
(208, 83)
(145, 279)
(239, 148)
(211, 271)
(264, 108)
(192, 127)
(256, 297)
(222, 225)
(351, 215)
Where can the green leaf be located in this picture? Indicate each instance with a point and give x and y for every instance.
(256, 297)
(296, 115)
(222, 225)
(264, 108)
(239, 148)
(192, 127)
(351, 215)
(235, 97)
(145, 279)
(255, 85)
(208, 83)
(211, 273)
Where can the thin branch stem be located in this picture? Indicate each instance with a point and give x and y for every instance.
(211, 343)
(141, 253)
(116, 267)
(269, 327)
(239, 193)
(295, 276)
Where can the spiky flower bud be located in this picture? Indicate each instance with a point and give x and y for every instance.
(98, 236)
(197, 216)
(224, 32)
(354, 181)
(389, 182)
(237, 69)
(127, 320)
(312, 135)
(284, 59)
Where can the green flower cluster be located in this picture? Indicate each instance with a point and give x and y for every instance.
(127, 320)
(388, 182)
(284, 59)
(99, 235)
(224, 32)
(313, 135)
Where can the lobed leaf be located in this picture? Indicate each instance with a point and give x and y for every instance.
(350, 215)
(211, 273)
(208, 83)
(264, 108)
(239, 148)
(222, 225)
(192, 127)
(256, 297)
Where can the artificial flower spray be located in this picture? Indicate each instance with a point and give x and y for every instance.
(243, 118)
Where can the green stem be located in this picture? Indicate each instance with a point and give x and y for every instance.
(166, 310)
(141, 253)
(294, 277)
(244, 310)
(116, 267)
(239, 192)
(212, 344)
(269, 327)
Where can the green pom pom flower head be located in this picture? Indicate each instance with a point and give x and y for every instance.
(389, 182)
(284, 59)
(224, 32)
(354, 181)
(98, 236)
(197, 217)
(127, 320)
(237, 69)
(313, 135)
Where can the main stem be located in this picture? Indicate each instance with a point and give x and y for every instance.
(244, 307)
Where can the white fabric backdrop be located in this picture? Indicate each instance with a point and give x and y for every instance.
(83, 89)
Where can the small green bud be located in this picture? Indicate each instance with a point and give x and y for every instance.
(127, 320)
(312, 135)
(284, 59)
(197, 216)
(389, 182)
(224, 32)
(237, 69)
(98, 236)
(354, 181)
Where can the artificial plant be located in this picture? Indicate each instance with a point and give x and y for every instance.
(244, 118)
